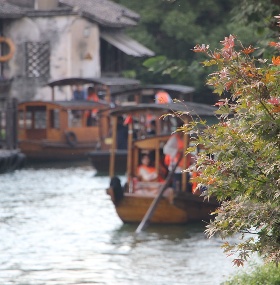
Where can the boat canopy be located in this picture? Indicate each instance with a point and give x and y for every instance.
(147, 93)
(108, 81)
(184, 89)
(75, 105)
(105, 86)
(150, 89)
(121, 90)
(185, 108)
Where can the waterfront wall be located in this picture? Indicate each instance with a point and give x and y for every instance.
(50, 48)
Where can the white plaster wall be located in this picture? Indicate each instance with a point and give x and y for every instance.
(20, 31)
(74, 50)
(69, 46)
(85, 49)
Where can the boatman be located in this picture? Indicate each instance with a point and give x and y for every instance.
(173, 150)
(92, 96)
(91, 115)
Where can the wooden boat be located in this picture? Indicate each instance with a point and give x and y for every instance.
(132, 95)
(181, 209)
(59, 130)
(133, 200)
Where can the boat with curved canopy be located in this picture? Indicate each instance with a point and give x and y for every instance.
(133, 199)
(132, 95)
(64, 130)
(57, 130)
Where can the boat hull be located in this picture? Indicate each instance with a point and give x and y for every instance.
(197, 207)
(38, 150)
(170, 210)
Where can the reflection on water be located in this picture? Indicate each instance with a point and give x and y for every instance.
(58, 227)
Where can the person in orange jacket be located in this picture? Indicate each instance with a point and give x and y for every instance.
(173, 150)
(92, 96)
(91, 115)
(145, 171)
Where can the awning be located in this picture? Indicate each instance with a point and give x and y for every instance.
(126, 44)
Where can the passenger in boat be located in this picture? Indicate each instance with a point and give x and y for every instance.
(145, 171)
(162, 97)
(152, 128)
(122, 134)
(79, 93)
(91, 94)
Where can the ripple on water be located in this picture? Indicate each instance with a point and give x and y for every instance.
(58, 227)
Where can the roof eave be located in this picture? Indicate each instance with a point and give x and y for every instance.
(107, 24)
(48, 13)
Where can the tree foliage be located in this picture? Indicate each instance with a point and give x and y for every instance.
(244, 174)
(260, 275)
(171, 28)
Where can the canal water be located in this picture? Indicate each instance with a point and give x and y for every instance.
(58, 227)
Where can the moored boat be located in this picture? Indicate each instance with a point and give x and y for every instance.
(57, 130)
(67, 129)
(132, 95)
(173, 205)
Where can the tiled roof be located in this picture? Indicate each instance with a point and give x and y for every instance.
(104, 12)
(9, 11)
(60, 11)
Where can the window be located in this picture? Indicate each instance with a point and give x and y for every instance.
(28, 120)
(37, 59)
(36, 117)
(40, 120)
(75, 118)
(54, 119)
(21, 119)
(111, 58)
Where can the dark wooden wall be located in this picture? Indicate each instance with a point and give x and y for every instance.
(8, 124)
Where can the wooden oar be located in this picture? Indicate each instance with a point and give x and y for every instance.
(155, 202)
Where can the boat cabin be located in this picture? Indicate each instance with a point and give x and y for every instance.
(149, 128)
(42, 120)
(68, 128)
(133, 94)
(51, 130)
